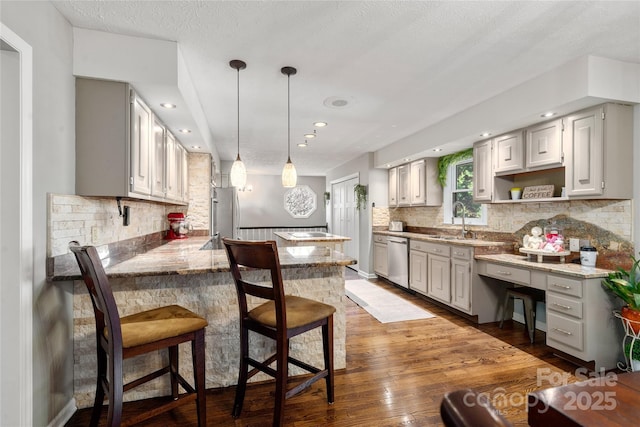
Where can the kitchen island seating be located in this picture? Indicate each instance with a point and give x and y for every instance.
(280, 318)
(468, 408)
(121, 338)
(530, 297)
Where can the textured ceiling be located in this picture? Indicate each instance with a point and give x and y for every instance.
(402, 66)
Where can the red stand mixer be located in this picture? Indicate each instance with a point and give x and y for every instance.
(178, 226)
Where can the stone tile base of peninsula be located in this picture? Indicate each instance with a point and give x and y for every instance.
(211, 295)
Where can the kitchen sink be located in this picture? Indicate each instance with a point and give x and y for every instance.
(302, 234)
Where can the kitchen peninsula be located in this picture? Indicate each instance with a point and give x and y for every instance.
(317, 238)
(179, 272)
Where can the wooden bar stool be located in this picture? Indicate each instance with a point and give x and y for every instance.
(530, 297)
(280, 318)
(121, 338)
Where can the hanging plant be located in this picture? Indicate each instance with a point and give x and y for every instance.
(327, 196)
(445, 161)
(361, 195)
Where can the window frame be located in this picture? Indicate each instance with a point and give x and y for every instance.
(447, 200)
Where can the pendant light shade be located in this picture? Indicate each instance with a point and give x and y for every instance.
(238, 170)
(289, 175)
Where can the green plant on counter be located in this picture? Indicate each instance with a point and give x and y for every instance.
(361, 195)
(625, 284)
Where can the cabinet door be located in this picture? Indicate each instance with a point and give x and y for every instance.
(509, 153)
(158, 186)
(418, 183)
(461, 284)
(418, 271)
(380, 261)
(173, 172)
(404, 185)
(140, 148)
(439, 278)
(482, 171)
(544, 145)
(184, 169)
(584, 141)
(393, 187)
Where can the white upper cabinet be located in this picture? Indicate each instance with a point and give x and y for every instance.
(404, 185)
(482, 171)
(599, 142)
(120, 147)
(509, 153)
(393, 186)
(173, 169)
(544, 145)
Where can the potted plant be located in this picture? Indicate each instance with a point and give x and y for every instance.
(625, 284)
(361, 195)
(633, 354)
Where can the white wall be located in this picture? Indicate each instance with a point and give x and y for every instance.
(50, 36)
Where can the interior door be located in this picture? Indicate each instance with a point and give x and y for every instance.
(345, 220)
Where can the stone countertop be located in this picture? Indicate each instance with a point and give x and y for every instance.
(185, 257)
(310, 236)
(568, 269)
(454, 240)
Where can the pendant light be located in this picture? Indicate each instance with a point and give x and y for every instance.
(238, 171)
(289, 176)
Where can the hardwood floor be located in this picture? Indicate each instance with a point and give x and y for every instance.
(396, 375)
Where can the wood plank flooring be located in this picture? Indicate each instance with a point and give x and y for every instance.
(396, 375)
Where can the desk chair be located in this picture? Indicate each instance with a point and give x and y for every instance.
(529, 297)
(468, 408)
(280, 318)
(121, 338)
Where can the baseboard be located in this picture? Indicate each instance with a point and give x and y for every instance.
(366, 275)
(64, 415)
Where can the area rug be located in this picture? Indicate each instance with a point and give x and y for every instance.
(382, 304)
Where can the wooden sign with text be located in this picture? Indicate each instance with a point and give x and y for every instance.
(538, 192)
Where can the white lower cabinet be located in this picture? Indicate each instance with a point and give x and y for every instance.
(380, 253)
(417, 270)
(461, 278)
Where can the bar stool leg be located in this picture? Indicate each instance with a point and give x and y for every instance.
(505, 304)
(530, 316)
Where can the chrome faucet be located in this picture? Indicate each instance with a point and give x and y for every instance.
(453, 217)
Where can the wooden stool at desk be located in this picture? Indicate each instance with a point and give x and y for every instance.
(529, 297)
(280, 318)
(121, 338)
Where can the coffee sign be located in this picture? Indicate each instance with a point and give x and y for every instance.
(538, 192)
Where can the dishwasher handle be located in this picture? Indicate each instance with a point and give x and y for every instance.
(401, 241)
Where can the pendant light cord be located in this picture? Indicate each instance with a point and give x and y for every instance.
(288, 117)
(238, 98)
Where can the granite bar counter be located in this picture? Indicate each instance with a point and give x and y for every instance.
(318, 238)
(178, 272)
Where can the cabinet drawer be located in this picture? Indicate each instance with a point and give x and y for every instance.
(509, 274)
(380, 239)
(461, 253)
(563, 305)
(564, 330)
(418, 245)
(436, 249)
(564, 285)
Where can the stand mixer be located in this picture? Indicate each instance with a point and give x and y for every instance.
(178, 226)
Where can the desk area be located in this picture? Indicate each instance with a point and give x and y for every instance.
(579, 312)
(611, 400)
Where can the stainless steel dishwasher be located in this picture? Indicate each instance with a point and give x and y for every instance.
(398, 257)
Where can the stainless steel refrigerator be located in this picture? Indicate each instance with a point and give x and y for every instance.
(225, 214)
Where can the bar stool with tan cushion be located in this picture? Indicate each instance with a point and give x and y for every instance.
(121, 338)
(280, 318)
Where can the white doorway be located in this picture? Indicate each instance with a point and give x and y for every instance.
(16, 230)
(345, 220)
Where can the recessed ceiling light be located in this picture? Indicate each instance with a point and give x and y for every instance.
(320, 124)
(549, 114)
(337, 102)
(437, 149)
(302, 144)
(309, 135)
(407, 159)
(485, 134)
(195, 147)
(184, 130)
(168, 105)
